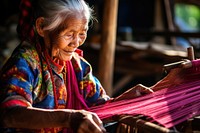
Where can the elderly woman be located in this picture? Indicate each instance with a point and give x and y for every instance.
(46, 83)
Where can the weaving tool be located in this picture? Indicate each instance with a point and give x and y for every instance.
(176, 99)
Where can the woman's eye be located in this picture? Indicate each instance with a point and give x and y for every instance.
(69, 35)
(82, 34)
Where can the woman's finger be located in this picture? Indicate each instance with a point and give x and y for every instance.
(98, 121)
(89, 126)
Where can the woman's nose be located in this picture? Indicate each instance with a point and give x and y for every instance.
(75, 42)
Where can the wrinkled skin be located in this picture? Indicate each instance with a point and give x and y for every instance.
(62, 45)
(89, 124)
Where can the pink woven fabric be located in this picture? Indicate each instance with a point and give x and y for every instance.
(75, 100)
(177, 99)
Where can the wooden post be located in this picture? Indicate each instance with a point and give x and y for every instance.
(170, 19)
(190, 52)
(108, 42)
(158, 21)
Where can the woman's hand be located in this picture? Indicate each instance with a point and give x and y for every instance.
(135, 91)
(86, 122)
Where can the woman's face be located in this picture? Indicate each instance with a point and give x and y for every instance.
(63, 44)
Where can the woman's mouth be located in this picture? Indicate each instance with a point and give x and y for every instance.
(68, 52)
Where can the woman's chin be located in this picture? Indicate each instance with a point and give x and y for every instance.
(65, 58)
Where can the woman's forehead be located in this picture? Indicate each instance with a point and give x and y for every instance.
(75, 23)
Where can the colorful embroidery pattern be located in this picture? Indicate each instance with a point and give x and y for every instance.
(26, 75)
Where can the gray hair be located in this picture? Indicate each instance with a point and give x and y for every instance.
(56, 12)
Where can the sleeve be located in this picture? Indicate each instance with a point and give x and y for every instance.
(17, 79)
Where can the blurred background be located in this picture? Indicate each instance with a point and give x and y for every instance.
(149, 34)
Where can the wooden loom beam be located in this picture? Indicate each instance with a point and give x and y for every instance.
(184, 63)
(142, 125)
(129, 123)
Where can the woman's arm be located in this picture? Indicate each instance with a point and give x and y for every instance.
(35, 118)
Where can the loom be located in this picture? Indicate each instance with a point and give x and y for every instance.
(176, 98)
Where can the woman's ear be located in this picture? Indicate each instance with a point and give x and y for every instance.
(39, 26)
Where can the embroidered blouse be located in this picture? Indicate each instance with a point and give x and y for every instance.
(26, 80)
